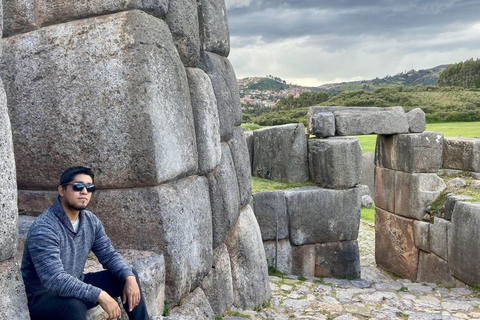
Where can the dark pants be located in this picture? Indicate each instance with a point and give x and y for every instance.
(53, 307)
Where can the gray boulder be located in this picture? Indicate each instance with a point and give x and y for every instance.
(182, 19)
(414, 192)
(416, 120)
(21, 16)
(433, 269)
(421, 233)
(395, 248)
(457, 183)
(195, 305)
(337, 259)
(283, 256)
(224, 196)
(475, 184)
(385, 189)
(8, 188)
(217, 285)
(461, 154)
(13, 304)
(24, 224)
(205, 115)
(322, 215)
(214, 33)
(464, 257)
(270, 208)
(335, 163)
(415, 152)
(80, 78)
(280, 153)
(239, 150)
(368, 172)
(225, 86)
(439, 237)
(367, 201)
(321, 124)
(251, 286)
(174, 219)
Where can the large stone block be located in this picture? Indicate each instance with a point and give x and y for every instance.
(421, 232)
(433, 269)
(321, 124)
(205, 114)
(24, 224)
(322, 215)
(414, 192)
(217, 285)
(174, 219)
(280, 153)
(196, 305)
(249, 265)
(337, 259)
(335, 163)
(34, 202)
(464, 258)
(8, 187)
(270, 208)
(182, 19)
(447, 210)
(385, 189)
(395, 248)
(239, 150)
(13, 304)
(303, 260)
(416, 120)
(214, 33)
(83, 77)
(439, 237)
(283, 256)
(415, 152)
(461, 154)
(350, 121)
(225, 87)
(26, 15)
(368, 172)
(224, 196)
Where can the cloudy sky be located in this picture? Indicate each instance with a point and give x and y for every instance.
(312, 42)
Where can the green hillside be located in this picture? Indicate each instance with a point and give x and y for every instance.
(463, 74)
(265, 84)
(440, 104)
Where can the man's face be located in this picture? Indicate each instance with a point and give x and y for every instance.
(76, 200)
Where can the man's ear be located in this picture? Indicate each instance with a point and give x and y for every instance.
(61, 191)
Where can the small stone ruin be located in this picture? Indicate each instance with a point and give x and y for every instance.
(318, 226)
(142, 92)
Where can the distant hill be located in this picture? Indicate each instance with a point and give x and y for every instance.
(409, 78)
(463, 74)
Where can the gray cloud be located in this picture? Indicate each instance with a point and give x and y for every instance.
(366, 30)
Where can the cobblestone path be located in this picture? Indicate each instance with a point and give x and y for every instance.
(376, 295)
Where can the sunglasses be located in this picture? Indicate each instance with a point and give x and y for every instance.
(78, 186)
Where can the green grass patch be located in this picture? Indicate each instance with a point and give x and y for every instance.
(368, 214)
(251, 126)
(448, 129)
(275, 272)
(260, 184)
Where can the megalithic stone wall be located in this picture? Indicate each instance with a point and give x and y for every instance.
(13, 304)
(143, 92)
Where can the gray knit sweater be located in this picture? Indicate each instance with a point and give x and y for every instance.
(54, 255)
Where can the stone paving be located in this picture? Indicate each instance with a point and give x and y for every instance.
(377, 295)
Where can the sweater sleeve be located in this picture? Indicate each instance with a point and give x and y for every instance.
(44, 248)
(108, 256)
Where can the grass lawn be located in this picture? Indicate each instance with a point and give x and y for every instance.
(449, 129)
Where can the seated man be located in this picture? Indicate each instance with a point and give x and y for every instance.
(55, 253)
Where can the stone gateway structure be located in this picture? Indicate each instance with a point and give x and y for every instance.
(142, 92)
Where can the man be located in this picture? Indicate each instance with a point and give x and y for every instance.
(55, 253)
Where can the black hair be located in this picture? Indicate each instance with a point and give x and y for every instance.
(70, 173)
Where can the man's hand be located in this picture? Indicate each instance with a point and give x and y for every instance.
(131, 293)
(109, 304)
